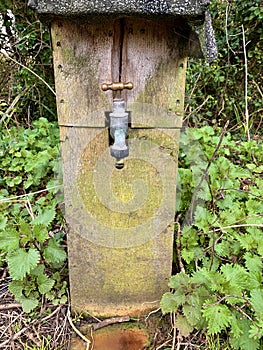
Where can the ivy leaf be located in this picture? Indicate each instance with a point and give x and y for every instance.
(40, 232)
(53, 252)
(22, 262)
(9, 239)
(45, 283)
(218, 318)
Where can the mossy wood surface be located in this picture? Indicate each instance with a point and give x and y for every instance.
(120, 240)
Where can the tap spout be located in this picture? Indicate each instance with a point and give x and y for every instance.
(119, 130)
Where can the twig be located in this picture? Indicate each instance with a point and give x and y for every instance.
(16, 335)
(10, 109)
(164, 344)
(178, 248)
(3, 200)
(61, 332)
(257, 86)
(227, 296)
(10, 306)
(199, 107)
(30, 70)
(235, 226)
(243, 313)
(29, 209)
(246, 83)
(32, 338)
(82, 336)
(191, 209)
(226, 29)
(151, 313)
(52, 314)
(110, 321)
(174, 331)
(192, 92)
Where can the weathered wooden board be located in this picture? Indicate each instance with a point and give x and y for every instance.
(121, 222)
(85, 56)
(120, 240)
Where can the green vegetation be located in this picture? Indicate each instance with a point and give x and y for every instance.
(220, 242)
(231, 87)
(216, 291)
(35, 260)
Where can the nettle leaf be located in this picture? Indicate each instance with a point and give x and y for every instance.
(212, 279)
(179, 280)
(16, 287)
(260, 247)
(53, 252)
(236, 325)
(192, 313)
(203, 218)
(168, 303)
(237, 277)
(244, 342)
(28, 304)
(26, 232)
(257, 300)
(256, 330)
(45, 283)
(179, 296)
(40, 232)
(253, 262)
(9, 239)
(218, 318)
(3, 221)
(22, 262)
(204, 192)
(188, 255)
(25, 228)
(38, 270)
(45, 216)
(183, 325)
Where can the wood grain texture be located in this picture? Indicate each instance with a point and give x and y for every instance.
(120, 243)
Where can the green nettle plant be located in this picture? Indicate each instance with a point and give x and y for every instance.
(28, 246)
(220, 242)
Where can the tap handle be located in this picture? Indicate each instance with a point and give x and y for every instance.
(117, 86)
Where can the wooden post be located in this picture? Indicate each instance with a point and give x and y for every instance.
(121, 222)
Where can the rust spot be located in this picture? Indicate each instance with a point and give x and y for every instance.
(114, 339)
(120, 340)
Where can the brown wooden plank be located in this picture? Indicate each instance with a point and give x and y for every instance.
(120, 240)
